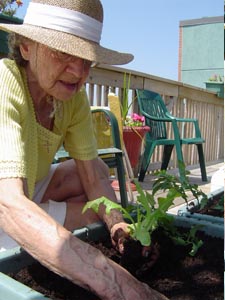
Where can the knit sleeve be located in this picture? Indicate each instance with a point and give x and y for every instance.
(12, 162)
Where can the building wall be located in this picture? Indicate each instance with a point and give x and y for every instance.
(201, 50)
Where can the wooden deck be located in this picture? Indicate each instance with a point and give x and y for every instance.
(194, 178)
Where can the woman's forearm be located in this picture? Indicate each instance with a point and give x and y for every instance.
(66, 255)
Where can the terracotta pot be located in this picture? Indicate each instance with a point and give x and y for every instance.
(133, 138)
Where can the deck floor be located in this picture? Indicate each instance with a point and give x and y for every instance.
(194, 178)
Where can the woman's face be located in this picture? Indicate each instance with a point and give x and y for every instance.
(55, 73)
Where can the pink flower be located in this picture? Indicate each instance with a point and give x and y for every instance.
(142, 119)
(136, 117)
(134, 120)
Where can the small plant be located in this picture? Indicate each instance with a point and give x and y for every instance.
(148, 215)
(216, 78)
(125, 105)
(167, 181)
(134, 120)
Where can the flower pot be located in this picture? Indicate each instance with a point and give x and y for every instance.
(217, 87)
(133, 139)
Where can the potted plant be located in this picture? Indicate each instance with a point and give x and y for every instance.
(216, 84)
(134, 128)
(134, 132)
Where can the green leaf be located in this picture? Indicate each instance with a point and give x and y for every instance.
(94, 204)
(166, 202)
(179, 240)
(143, 236)
(185, 239)
(150, 199)
(143, 199)
(195, 247)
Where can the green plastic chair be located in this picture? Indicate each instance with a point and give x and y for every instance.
(107, 135)
(156, 115)
(109, 146)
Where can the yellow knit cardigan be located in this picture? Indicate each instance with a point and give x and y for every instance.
(26, 148)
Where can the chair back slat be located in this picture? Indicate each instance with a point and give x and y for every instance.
(152, 104)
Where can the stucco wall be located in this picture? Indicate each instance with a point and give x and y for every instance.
(202, 51)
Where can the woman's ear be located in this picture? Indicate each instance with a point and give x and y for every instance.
(25, 49)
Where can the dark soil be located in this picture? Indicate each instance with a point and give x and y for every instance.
(175, 274)
(214, 207)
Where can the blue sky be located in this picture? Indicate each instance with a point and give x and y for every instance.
(149, 30)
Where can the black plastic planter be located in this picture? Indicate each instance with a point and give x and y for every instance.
(13, 260)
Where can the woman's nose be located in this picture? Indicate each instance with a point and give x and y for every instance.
(76, 67)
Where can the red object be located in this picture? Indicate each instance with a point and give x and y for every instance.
(116, 187)
(133, 137)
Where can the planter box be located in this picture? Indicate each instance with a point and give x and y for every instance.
(193, 206)
(15, 259)
(217, 87)
(212, 225)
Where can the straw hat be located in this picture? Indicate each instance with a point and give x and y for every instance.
(70, 26)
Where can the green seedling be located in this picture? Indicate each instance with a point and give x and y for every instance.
(167, 181)
(147, 216)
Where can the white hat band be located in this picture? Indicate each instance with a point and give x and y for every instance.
(63, 19)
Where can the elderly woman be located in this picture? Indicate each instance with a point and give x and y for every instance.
(44, 105)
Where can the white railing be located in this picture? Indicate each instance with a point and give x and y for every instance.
(181, 99)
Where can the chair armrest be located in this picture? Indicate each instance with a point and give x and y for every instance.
(194, 121)
(185, 120)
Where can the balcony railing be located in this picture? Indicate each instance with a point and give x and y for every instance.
(181, 99)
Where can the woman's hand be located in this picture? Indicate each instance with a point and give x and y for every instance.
(119, 232)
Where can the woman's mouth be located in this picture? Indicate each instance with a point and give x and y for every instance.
(71, 87)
